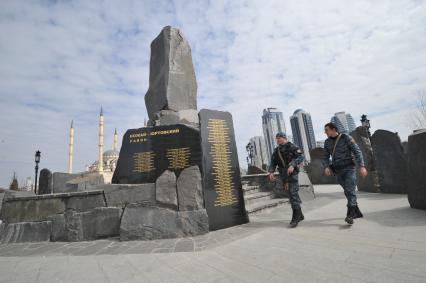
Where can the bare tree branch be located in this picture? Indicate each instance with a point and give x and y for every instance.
(419, 117)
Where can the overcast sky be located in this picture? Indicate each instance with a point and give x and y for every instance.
(62, 60)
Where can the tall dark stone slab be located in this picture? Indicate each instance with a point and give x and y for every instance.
(223, 193)
(172, 83)
(45, 182)
(147, 152)
(390, 161)
(417, 169)
(371, 182)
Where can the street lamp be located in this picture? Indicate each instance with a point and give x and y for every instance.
(366, 123)
(37, 160)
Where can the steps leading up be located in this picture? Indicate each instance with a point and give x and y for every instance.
(257, 201)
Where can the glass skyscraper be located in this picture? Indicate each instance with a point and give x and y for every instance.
(272, 123)
(345, 122)
(303, 132)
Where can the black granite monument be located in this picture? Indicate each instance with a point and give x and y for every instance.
(147, 152)
(223, 193)
(177, 138)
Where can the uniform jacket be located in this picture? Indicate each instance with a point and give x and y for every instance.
(292, 156)
(346, 149)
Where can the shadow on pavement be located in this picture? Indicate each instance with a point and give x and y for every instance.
(399, 217)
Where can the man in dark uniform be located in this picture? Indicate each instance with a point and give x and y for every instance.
(342, 148)
(288, 157)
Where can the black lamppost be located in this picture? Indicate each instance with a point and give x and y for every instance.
(37, 160)
(366, 123)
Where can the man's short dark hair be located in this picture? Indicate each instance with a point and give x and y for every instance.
(332, 126)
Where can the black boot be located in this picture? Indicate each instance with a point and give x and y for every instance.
(350, 215)
(297, 217)
(357, 212)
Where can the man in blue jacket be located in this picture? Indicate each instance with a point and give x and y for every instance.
(342, 148)
(288, 157)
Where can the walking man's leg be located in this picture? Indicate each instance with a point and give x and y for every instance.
(347, 179)
(295, 204)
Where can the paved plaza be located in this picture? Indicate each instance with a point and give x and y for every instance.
(388, 245)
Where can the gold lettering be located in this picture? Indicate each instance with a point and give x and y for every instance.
(222, 169)
(143, 162)
(178, 157)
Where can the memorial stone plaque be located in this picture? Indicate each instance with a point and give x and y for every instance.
(223, 194)
(147, 152)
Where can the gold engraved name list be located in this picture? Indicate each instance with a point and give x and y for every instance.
(143, 162)
(222, 168)
(178, 157)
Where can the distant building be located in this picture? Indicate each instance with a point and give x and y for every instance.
(258, 148)
(28, 185)
(272, 123)
(345, 122)
(303, 131)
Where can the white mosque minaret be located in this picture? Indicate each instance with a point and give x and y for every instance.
(71, 148)
(101, 142)
(115, 144)
(107, 160)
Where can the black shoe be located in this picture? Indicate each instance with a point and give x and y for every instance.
(357, 213)
(350, 215)
(297, 217)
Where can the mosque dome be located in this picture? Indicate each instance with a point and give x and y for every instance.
(110, 154)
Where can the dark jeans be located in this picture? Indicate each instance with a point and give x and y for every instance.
(347, 179)
(293, 190)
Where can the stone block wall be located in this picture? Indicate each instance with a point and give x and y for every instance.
(171, 207)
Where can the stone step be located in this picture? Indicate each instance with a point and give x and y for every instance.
(264, 205)
(250, 190)
(257, 197)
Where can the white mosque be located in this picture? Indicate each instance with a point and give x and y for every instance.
(107, 161)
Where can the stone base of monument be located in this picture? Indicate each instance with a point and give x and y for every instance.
(188, 117)
(142, 222)
(171, 207)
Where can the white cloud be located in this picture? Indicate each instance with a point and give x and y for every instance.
(62, 60)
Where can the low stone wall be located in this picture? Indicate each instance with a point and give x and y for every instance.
(39, 208)
(173, 207)
(64, 182)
